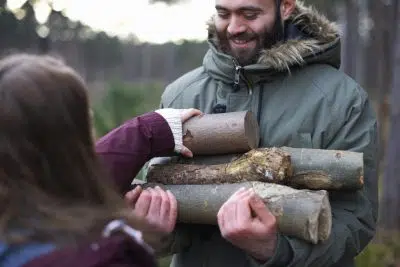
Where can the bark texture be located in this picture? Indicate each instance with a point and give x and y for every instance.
(304, 214)
(326, 169)
(264, 165)
(308, 168)
(222, 133)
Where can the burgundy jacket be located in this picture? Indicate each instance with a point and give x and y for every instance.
(124, 151)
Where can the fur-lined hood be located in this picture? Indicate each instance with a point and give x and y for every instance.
(319, 42)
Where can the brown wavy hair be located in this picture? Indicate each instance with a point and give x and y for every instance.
(52, 187)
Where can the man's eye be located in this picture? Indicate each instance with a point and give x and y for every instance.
(250, 15)
(223, 15)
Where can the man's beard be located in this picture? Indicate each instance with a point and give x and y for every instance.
(264, 40)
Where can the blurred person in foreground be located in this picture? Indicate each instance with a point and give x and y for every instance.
(279, 59)
(58, 206)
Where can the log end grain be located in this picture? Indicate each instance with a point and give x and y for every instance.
(305, 214)
(325, 217)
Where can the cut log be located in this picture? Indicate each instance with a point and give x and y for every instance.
(311, 168)
(264, 165)
(326, 169)
(305, 214)
(222, 133)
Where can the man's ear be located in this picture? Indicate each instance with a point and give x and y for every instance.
(287, 8)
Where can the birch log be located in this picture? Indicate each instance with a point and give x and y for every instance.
(305, 214)
(318, 169)
(223, 133)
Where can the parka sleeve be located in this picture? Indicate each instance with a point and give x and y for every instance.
(354, 213)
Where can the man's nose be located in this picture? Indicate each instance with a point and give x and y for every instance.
(236, 26)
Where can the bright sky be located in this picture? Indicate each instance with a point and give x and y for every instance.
(156, 23)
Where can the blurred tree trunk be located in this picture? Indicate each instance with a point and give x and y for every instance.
(169, 68)
(373, 76)
(43, 45)
(146, 62)
(352, 37)
(376, 72)
(378, 68)
(390, 216)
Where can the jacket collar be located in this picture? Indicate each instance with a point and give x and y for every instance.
(310, 38)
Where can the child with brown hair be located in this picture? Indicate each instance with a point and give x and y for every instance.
(57, 205)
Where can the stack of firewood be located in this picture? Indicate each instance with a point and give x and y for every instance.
(293, 182)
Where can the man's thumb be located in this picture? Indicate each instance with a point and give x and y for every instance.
(259, 208)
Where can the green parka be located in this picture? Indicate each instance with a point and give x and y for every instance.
(301, 99)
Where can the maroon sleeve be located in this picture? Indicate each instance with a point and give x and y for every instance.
(117, 251)
(127, 148)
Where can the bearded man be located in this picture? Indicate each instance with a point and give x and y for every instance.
(279, 59)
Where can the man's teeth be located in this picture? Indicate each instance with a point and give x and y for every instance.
(240, 41)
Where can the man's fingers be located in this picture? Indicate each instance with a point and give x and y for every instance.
(132, 196)
(239, 194)
(165, 204)
(229, 214)
(173, 211)
(243, 211)
(260, 209)
(221, 222)
(143, 203)
(155, 204)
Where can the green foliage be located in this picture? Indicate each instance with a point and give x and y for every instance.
(119, 104)
(384, 252)
(123, 101)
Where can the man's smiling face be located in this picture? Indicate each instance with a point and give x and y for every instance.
(245, 27)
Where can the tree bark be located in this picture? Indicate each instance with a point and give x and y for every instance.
(212, 134)
(326, 169)
(308, 168)
(304, 214)
(264, 165)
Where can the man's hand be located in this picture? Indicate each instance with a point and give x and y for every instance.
(246, 222)
(156, 206)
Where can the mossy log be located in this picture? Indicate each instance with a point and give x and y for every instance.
(264, 165)
(222, 133)
(305, 214)
(318, 169)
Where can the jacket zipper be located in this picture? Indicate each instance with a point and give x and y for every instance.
(236, 84)
(238, 74)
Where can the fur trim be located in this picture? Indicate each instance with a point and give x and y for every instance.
(319, 30)
(289, 53)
